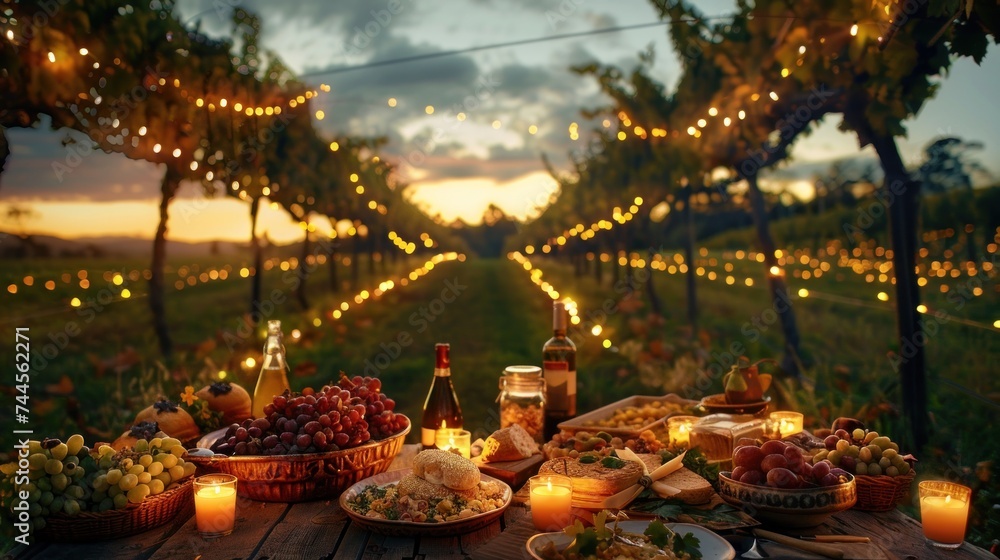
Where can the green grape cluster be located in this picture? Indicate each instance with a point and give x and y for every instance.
(863, 453)
(149, 468)
(69, 477)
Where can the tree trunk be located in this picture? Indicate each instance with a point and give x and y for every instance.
(355, 252)
(4, 150)
(779, 289)
(689, 239)
(303, 273)
(597, 264)
(371, 253)
(258, 263)
(654, 298)
(615, 269)
(168, 188)
(904, 196)
(334, 278)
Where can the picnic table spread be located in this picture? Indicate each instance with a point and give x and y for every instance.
(321, 529)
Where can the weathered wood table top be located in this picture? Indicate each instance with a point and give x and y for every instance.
(321, 530)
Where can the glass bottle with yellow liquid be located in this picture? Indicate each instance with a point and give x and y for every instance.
(273, 378)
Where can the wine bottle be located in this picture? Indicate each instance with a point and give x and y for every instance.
(559, 371)
(441, 409)
(273, 379)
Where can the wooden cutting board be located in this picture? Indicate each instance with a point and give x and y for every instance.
(514, 473)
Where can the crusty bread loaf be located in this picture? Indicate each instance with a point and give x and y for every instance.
(694, 489)
(417, 488)
(512, 443)
(447, 469)
(593, 479)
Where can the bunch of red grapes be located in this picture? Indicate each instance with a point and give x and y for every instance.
(782, 465)
(341, 416)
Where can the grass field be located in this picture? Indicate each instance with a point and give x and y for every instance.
(494, 316)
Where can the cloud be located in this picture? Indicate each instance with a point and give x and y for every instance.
(42, 168)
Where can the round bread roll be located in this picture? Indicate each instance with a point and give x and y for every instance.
(447, 469)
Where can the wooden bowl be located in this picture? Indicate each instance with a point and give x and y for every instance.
(789, 508)
(306, 477)
(717, 404)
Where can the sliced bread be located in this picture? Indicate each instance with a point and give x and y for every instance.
(512, 443)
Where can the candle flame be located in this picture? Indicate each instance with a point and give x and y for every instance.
(550, 486)
(218, 490)
(947, 498)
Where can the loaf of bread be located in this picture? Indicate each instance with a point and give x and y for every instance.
(417, 488)
(593, 480)
(447, 469)
(512, 443)
(692, 488)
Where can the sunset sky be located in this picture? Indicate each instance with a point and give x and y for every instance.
(456, 168)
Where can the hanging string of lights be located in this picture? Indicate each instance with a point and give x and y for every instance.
(572, 308)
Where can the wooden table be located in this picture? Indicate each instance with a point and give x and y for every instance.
(321, 530)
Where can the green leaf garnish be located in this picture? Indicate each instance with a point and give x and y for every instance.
(658, 533)
(688, 544)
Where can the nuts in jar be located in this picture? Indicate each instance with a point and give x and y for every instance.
(522, 399)
(530, 417)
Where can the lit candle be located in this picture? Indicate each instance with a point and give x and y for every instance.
(944, 512)
(679, 429)
(788, 423)
(551, 498)
(215, 504)
(456, 440)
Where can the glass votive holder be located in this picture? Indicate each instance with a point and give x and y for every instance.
(215, 504)
(679, 430)
(551, 497)
(456, 440)
(787, 423)
(944, 512)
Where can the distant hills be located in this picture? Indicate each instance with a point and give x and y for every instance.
(14, 246)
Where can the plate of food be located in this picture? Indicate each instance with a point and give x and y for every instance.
(645, 539)
(443, 494)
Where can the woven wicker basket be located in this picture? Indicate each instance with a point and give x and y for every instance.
(306, 477)
(882, 493)
(136, 518)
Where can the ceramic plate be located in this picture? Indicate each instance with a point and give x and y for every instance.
(412, 528)
(713, 547)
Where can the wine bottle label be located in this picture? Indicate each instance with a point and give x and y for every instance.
(427, 437)
(560, 385)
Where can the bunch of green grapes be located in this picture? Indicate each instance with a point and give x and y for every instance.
(55, 479)
(129, 476)
(69, 478)
(864, 453)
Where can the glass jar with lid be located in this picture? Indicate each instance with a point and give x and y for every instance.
(522, 399)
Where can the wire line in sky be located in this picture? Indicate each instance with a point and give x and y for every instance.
(519, 42)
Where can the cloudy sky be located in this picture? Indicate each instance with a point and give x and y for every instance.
(456, 167)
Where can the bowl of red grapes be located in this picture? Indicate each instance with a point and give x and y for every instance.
(312, 444)
(774, 482)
